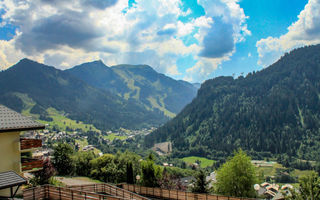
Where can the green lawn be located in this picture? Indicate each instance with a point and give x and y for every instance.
(204, 162)
(269, 171)
(62, 122)
(84, 142)
(300, 173)
(113, 136)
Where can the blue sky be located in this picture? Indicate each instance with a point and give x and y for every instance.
(192, 40)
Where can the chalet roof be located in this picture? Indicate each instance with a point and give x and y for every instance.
(10, 179)
(11, 121)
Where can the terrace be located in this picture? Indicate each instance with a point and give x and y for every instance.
(26, 144)
(31, 164)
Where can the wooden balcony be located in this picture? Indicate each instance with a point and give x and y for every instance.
(26, 143)
(31, 164)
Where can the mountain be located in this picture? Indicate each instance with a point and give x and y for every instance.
(38, 87)
(270, 112)
(140, 83)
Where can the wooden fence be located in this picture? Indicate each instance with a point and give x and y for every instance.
(30, 164)
(109, 189)
(61, 193)
(175, 194)
(27, 143)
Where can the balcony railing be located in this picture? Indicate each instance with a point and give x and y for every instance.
(31, 164)
(26, 143)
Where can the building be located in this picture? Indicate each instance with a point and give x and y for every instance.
(15, 150)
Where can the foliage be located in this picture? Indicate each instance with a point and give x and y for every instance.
(170, 181)
(82, 162)
(200, 185)
(43, 176)
(130, 178)
(151, 173)
(309, 188)
(283, 176)
(62, 159)
(113, 168)
(237, 176)
(273, 111)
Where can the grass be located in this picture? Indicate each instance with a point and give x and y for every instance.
(204, 162)
(62, 122)
(162, 108)
(269, 171)
(113, 136)
(82, 143)
(300, 173)
(59, 119)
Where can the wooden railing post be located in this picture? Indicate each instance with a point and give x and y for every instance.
(34, 197)
(71, 194)
(60, 193)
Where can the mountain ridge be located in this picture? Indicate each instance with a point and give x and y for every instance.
(140, 83)
(273, 111)
(53, 88)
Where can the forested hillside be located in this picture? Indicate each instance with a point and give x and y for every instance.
(37, 88)
(273, 111)
(140, 83)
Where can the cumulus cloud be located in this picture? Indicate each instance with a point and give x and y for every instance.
(67, 33)
(305, 31)
(218, 41)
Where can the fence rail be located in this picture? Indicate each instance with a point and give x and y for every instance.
(30, 164)
(61, 193)
(28, 143)
(109, 189)
(175, 194)
(81, 192)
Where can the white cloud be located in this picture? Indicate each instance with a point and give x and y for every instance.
(67, 33)
(305, 31)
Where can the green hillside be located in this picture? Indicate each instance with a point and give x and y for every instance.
(52, 94)
(139, 83)
(270, 112)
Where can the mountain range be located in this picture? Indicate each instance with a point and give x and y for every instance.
(140, 83)
(122, 96)
(270, 112)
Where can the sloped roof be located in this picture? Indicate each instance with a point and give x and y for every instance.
(12, 121)
(10, 179)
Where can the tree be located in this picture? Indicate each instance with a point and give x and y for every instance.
(237, 176)
(130, 178)
(200, 185)
(82, 162)
(309, 188)
(151, 173)
(62, 159)
(43, 176)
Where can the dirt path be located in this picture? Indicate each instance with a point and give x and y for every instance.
(75, 181)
